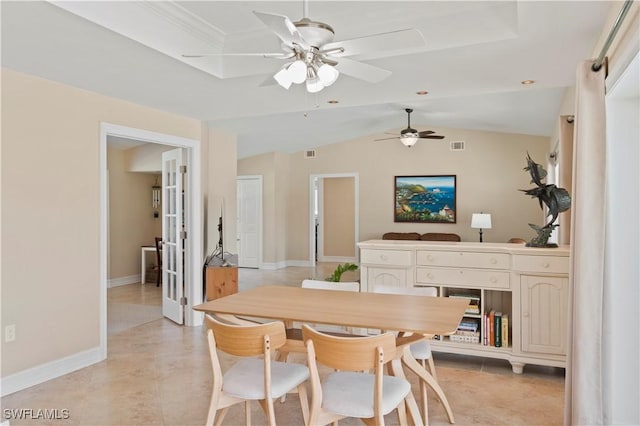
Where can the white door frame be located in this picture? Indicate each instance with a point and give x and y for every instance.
(193, 289)
(356, 210)
(260, 213)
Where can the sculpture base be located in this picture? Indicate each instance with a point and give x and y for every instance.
(546, 245)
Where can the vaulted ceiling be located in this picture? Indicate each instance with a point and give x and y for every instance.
(473, 60)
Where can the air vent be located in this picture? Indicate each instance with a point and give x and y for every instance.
(310, 153)
(457, 146)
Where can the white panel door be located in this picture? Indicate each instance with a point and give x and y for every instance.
(172, 241)
(249, 226)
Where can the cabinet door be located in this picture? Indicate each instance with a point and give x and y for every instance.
(543, 301)
(396, 277)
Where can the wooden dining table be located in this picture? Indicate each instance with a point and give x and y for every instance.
(403, 313)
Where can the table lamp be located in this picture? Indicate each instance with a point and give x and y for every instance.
(481, 221)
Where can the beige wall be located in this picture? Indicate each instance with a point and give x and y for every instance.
(489, 174)
(51, 212)
(131, 221)
(338, 217)
(222, 181)
(145, 158)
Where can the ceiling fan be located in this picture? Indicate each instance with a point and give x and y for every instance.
(315, 59)
(410, 136)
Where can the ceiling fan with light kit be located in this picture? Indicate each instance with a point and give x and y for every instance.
(316, 60)
(410, 136)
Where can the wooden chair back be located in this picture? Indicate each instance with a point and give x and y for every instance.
(350, 353)
(158, 260)
(246, 339)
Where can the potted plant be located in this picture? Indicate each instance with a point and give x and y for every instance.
(341, 269)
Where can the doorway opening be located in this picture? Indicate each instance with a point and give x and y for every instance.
(249, 221)
(333, 217)
(193, 219)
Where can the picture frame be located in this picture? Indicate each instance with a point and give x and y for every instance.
(425, 199)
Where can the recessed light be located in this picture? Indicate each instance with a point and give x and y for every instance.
(422, 92)
(527, 81)
(332, 101)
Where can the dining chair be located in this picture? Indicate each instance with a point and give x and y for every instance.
(254, 376)
(420, 350)
(159, 260)
(350, 390)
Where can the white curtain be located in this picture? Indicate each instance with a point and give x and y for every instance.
(583, 388)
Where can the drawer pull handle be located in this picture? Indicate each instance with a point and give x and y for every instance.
(493, 280)
(383, 257)
(430, 276)
(493, 261)
(525, 314)
(430, 258)
(546, 265)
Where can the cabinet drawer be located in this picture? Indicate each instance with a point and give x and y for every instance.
(386, 257)
(463, 277)
(463, 259)
(551, 264)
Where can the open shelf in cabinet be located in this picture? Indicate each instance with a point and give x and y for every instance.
(473, 328)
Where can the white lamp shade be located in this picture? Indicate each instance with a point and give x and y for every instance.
(283, 77)
(328, 74)
(298, 71)
(481, 220)
(314, 85)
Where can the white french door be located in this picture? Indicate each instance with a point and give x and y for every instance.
(172, 235)
(249, 222)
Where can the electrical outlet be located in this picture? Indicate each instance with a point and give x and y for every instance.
(10, 333)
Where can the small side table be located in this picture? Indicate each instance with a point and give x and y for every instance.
(221, 281)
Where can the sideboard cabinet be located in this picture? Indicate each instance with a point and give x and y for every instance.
(526, 287)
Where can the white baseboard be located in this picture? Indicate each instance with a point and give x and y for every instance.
(273, 265)
(340, 259)
(131, 279)
(41, 373)
(303, 263)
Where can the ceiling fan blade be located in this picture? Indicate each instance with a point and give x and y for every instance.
(269, 81)
(395, 40)
(283, 55)
(425, 133)
(385, 139)
(362, 71)
(432, 137)
(282, 26)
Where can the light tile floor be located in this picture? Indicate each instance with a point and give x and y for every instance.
(158, 373)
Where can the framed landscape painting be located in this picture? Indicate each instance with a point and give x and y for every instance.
(425, 199)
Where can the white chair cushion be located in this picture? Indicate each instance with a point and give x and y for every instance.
(421, 349)
(351, 394)
(245, 379)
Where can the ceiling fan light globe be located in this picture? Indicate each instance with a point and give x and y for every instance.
(409, 141)
(328, 74)
(298, 71)
(314, 85)
(283, 77)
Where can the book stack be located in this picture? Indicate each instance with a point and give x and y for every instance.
(495, 329)
(468, 331)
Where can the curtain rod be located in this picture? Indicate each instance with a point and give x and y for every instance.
(614, 30)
